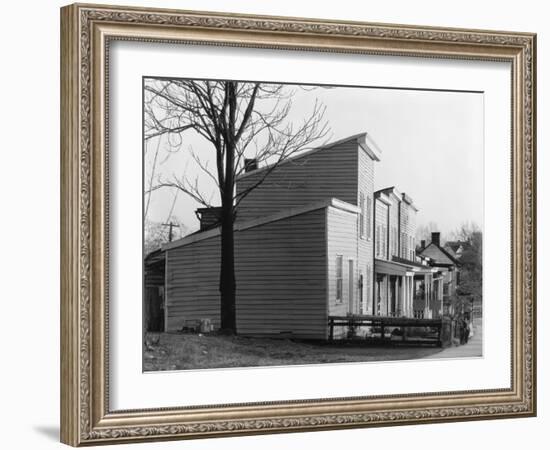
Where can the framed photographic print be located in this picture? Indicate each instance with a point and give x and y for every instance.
(276, 224)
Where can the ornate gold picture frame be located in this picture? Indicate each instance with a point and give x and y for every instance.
(86, 34)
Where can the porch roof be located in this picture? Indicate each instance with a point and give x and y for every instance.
(401, 269)
(392, 268)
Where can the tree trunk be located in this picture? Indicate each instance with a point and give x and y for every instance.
(227, 274)
(227, 269)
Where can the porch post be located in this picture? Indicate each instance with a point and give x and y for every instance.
(427, 286)
(406, 294)
(410, 295)
(398, 308)
(402, 298)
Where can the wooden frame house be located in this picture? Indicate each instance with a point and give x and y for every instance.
(303, 247)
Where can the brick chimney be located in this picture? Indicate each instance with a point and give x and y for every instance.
(250, 164)
(209, 217)
(422, 244)
(435, 238)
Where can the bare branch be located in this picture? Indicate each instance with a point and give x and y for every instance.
(153, 169)
(237, 119)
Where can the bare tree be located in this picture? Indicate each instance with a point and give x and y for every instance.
(466, 231)
(237, 120)
(471, 260)
(157, 233)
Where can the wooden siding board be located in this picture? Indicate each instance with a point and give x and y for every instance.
(342, 240)
(192, 283)
(328, 173)
(408, 230)
(365, 261)
(292, 272)
(280, 274)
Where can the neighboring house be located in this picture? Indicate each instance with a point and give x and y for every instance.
(448, 267)
(403, 285)
(303, 247)
(455, 248)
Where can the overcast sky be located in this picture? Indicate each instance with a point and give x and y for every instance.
(431, 142)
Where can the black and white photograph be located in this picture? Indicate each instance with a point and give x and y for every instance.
(302, 224)
(243, 225)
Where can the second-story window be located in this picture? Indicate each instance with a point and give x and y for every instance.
(339, 278)
(369, 215)
(377, 238)
(385, 242)
(362, 215)
(368, 288)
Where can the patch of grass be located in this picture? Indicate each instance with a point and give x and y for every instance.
(172, 351)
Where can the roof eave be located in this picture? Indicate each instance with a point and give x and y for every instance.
(284, 214)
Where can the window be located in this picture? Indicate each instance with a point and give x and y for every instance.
(361, 293)
(377, 239)
(368, 288)
(384, 242)
(351, 286)
(397, 242)
(369, 214)
(362, 214)
(339, 278)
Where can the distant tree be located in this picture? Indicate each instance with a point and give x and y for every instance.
(465, 232)
(157, 233)
(471, 260)
(237, 120)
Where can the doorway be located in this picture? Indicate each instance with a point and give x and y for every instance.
(351, 289)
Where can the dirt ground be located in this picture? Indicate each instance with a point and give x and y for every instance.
(175, 351)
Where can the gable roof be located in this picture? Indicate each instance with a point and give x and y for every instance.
(402, 197)
(284, 214)
(363, 140)
(382, 197)
(449, 250)
(451, 258)
(455, 245)
(389, 191)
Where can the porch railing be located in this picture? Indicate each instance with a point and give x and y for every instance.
(439, 334)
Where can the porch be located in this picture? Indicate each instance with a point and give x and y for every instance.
(406, 289)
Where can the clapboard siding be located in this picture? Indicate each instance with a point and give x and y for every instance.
(381, 230)
(342, 240)
(281, 277)
(365, 242)
(327, 173)
(408, 227)
(393, 227)
(280, 270)
(192, 283)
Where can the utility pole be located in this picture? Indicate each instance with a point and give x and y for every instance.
(171, 225)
